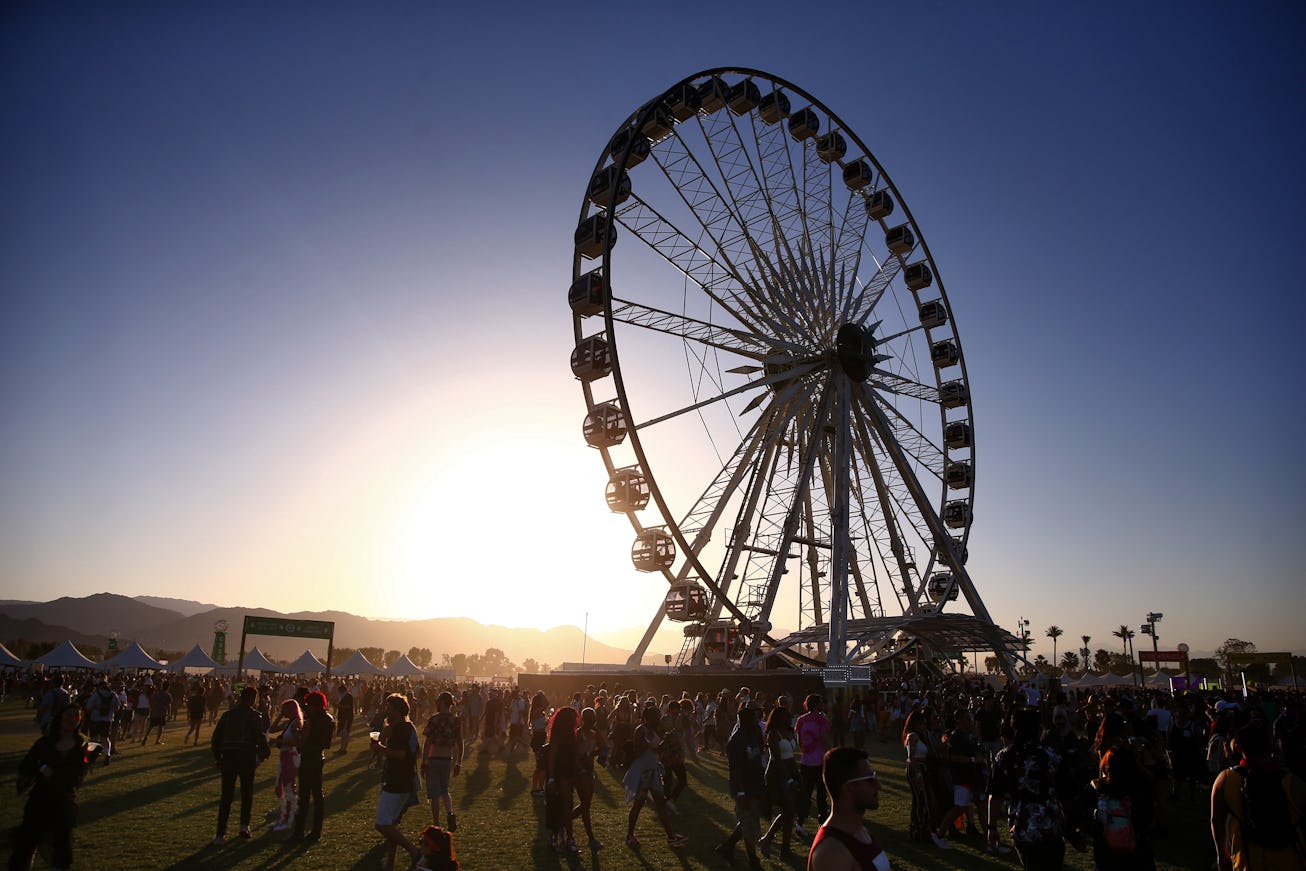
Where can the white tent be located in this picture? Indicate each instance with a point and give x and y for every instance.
(65, 656)
(404, 667)
(306, 664)
(357, 664)
(194, 658)
(8, 659)
(254, 661)
(133, 657)
(1159, 680)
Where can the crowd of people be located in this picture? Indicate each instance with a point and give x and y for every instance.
(1015, 769)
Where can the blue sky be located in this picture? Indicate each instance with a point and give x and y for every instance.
(285, 319)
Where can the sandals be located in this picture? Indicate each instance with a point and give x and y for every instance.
(632, 842)
(677, 840)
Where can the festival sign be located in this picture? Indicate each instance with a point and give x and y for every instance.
(295, 628)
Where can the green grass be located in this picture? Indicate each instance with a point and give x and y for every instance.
(156, 808)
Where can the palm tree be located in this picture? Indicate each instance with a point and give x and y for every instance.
(1055, 632)
(1124, 633)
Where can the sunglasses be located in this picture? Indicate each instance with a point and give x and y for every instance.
(871, 776)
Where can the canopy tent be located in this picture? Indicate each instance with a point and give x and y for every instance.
(254, 661)
(65, 656)
(1106, 679)
(194, 658)
(357, 664)
(404, 667)
(8, 659)
(133, 657)
(306, 664)
(1159, 680)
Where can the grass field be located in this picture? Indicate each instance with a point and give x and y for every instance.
(155, 807)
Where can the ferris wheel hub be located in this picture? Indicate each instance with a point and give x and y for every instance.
(855, 347)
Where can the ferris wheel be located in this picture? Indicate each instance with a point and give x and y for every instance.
(774, 381)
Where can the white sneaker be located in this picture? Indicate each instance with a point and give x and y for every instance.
(940, 842)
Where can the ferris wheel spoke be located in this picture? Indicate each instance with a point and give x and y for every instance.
(799, 368)
(846, 255)
(862, 303)
(716, 279)
(793, 514)
(891, 508)
(736, 341)
(916, 443)
(900, 385)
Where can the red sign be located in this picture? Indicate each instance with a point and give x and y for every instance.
(1163, 656)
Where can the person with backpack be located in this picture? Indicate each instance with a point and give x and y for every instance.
(1256, 809)
(101, 705)
(1123, 816)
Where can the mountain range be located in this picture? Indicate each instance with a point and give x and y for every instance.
(179, 624)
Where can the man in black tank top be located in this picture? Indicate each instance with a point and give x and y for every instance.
(843, 843)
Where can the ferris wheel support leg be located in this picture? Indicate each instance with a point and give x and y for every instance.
(637, 658)
(883, 429)
(838, 604)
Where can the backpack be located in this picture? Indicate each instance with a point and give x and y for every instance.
(105, 702)
(1116, 816)
(1267, 818)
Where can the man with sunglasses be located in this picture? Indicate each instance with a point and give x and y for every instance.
(843, 843)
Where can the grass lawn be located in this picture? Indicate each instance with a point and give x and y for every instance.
(155, 807)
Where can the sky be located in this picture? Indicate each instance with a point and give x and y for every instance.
(284, 288)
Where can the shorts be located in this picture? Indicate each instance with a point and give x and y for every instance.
(160, 720)
(390, 809)
(438, 774)
(142, 713)
(514, 731)
(962, 796)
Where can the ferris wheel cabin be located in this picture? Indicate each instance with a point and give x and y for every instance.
(918, 276)
(639, 149)
(588, 294)
(686, 601)
(957, 514)
(858, 175)
(938, 587)
(900, 240)
(933, 314)
(627, 490)
(653, 551)
(804, 124)
(957, 434)
(713, 94)
(879, 205)
(959, 476)
(683, 102)
(953, 394)
(591, 359)
(603, 184)
(605, 426)
(594, 236)
(831, 147)
(744, 97)
(773, 108)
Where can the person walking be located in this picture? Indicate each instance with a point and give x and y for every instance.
(319, 729)
(442, 758)
(53, 768)
(1257, 808)
(747, 786)
(1031, 778)
(782, 777)
(643, 780)
(814, 738)
(239, 745)
(843, 842)
(399, 754)
(345, 710)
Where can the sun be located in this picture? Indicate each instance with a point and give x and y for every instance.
(511, 529)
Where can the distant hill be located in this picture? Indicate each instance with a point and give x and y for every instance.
(186, 607)
(92, 618)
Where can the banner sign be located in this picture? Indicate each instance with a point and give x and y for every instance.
(1163, 656)
(294, 628)
(219, 648)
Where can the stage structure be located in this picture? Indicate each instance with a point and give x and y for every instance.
(775, 383)
(287, 628)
